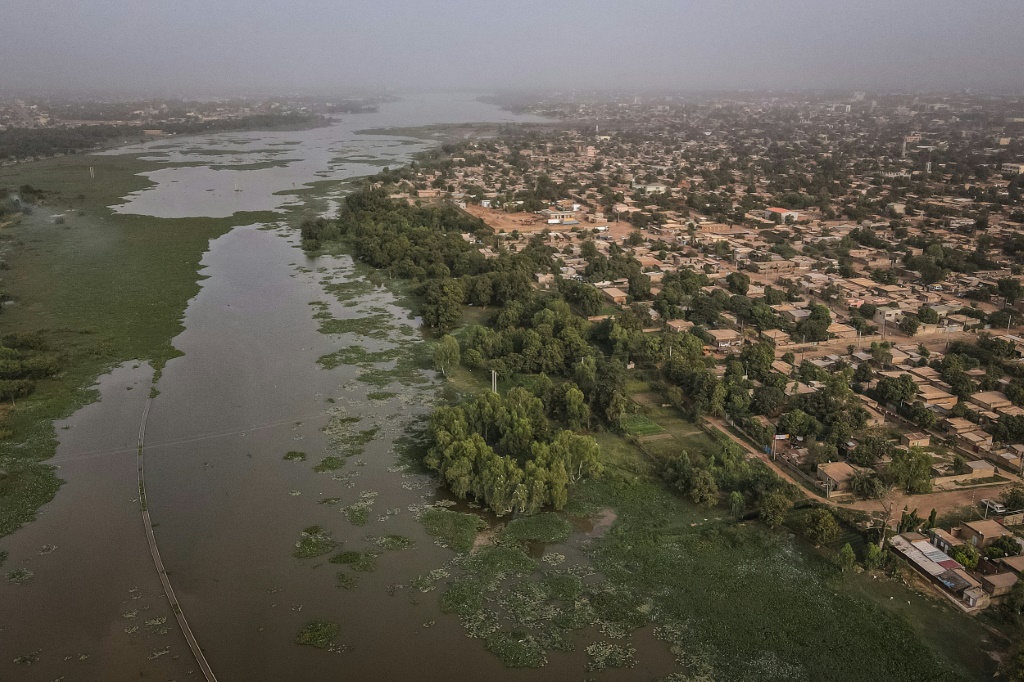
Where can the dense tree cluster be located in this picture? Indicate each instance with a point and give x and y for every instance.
(24, 359)
(503, 452)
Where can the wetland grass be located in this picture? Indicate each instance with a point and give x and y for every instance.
(452, 529)
(314, 541)
(295, 456)
(358, 561)
(546, 527)
(318, 633)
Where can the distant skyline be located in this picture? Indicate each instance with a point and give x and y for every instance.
(316, 46)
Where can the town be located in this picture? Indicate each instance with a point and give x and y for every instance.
(875, 238)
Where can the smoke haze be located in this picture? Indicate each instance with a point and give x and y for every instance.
(190, 46)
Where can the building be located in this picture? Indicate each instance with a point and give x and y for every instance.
(836, 476)
(915, 440)
(679, 325)
(1013, 168)
(784, 214)
(724, 338)
(838, 330)
(776, 336)
(983, 533)
(990, 400)
(614, 295)
(998, 584)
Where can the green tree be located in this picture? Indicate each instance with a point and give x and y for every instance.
(873, 557)
(442, 304)
(822, 527)
(966, 555)
(927, 315)
(577, 412)
(703, 489)
(737, 504)
(1011, 289)
(738, 282)
(774, 507)
(910, 470)
(1013, 497)
(895, 389)
(446, 354)
(847, 558)
(909, 325)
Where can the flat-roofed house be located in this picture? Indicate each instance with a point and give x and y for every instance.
(614, 295)
(990, 400)
(725, 338)
(982, 533)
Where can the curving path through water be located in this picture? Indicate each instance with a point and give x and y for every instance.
(179, 615)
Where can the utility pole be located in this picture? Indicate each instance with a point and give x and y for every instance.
(494, 381)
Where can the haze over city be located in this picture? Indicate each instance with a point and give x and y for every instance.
(235, 46)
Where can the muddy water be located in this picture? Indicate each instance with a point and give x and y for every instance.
(231, 508)
(93, 608)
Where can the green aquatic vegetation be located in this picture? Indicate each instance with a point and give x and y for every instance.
(562, 586)
(313, 542)
(356, 356)
(545, 527)
(295, 456)
(603, 655)
(20, 575)
(452, 529)
(517, 649)
(380, 395)
(330, 501)
(358, 513)
(329, 463)
(373, 326)
(318, 633)
(3, 558)
(428, 581)
(345, 581)
(359, 561)
(393, 542)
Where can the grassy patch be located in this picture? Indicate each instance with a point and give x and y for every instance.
(358, 513)
(329, 463)
(345, 581)
(359, 561)
(393, 542)
(318, 633)
(603, 655)
(452, 529)
(20, 575)
(380, 395)
(314, 541)
(295, 456)
(639, 425)
(545, 527)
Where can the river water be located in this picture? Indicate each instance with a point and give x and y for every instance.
(227, 505)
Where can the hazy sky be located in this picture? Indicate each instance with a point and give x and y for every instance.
(300, 45)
